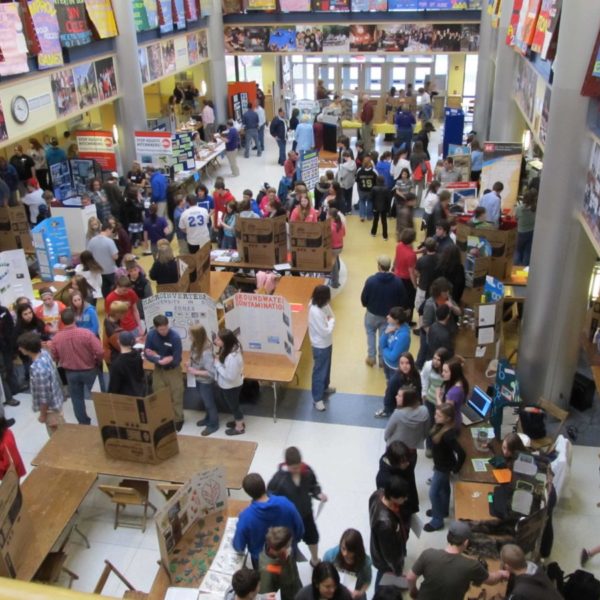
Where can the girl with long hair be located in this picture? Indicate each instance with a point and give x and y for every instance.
(93, 229)
(455, 388)
(325, 585)
(229, 368)
(228, 225)
(79, 283)
(450, 265)
(91, 271)
(407, 375)
(86, 316)
(304, 211)
(164, 270)
(338, 231)
(155, 228)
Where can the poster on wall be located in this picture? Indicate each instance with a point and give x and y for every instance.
(72, 22)
(246, 39)
(546, 26)
(447, 38)
(184, 311)
(544, 115)
(527, 24)
(155, 67)
(107, 78)
(367, 5)
(153, 147)
(14, 277)
(282, 39)
(514, 22)
(192, 11)
(98, 146)
(364, 38)
(178, 8)
(165, 16)
(145, 15)
(591, 83)
(262, 323)
(45, 24)
(86, 85)
(309, 38)
(203, 43)
(502, 162)
(331, 5)
(406, 38)
(100, 13)
(3, 131)
(336, 38)
(143, 62)
(295, 5)
(231, 7)
(191, 40)
(591, 199)
(525, 84)
(269, 5)
(168, 57)
(63, 92)
(13, 47)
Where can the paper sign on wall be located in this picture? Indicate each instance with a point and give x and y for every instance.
(14, 277)
(72, 21)
(45, 24)
(102, 17)
(153, 147)
(13, 46)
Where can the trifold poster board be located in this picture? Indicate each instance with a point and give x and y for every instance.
(482, 338)
(262, 242)
(137, 429)
(15, 280)
(183, 311)
(463, 193)
(311, 246)
(153, 148)
(190, 527)
(76, 221)
(502, 162)
(14, 229)
(51, 244)
(18, 533)
(262, 323)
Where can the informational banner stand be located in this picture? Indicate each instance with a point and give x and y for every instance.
(309, 168)
(51, 244)
(502, 162)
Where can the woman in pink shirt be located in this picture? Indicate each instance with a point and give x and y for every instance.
(404, 266)
(338, 231)
(304, 211)
(266, 200)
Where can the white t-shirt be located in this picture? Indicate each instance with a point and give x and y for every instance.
(429, 202)
(320, 326)
(34, 200)
(194, 221)
(94, 278)
(396, 169)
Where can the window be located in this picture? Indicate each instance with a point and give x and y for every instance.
(373, 78)
(230, 67)
(470, 75)
(349, 77)
(421, 73)
(251, 68)
(399, 77)
(441, 64)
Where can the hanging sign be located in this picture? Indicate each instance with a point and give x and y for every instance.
(72, 21)
(102, 17)
(47, 33)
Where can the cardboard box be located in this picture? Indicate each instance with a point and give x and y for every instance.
(476, 270)
(137, 429)
(472, 296)
(480, 338)
(17, 530)
(201, 268)
(311, 246)
(467, 347)
(312, 259)
(262, 241)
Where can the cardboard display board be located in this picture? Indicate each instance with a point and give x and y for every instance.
(99, 146)
(262, 323)
(51, 244)
(183, 311)
(191, 524)
(153, 148)
(17, 531)
(481, 334)
(76, 221)
(502, 162)
(14, 229)
(199, 269)
(137, 429)
(14, 277)
(311, 246)
(463, 193)
(309, 168)
(262, 241)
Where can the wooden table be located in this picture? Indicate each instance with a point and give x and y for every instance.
(51, 497)
(471, 500)
(80, 448)
(466, 440)
(162, 582)
(219, 280)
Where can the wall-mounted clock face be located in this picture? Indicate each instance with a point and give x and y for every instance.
(20, 109)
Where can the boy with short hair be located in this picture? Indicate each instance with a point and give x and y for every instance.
(244, 585)
(278, 569)
(124, 292)
(254, 208)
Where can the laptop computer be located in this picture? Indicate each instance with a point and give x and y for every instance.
(477, 407)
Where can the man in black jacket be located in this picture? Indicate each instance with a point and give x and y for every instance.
(7, 373)
(298, 483)
(127, 375)
(278, 130)
(388, 531)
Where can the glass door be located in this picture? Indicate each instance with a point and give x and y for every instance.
(373, 79)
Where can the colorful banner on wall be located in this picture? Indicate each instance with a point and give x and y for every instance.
(72, 21)
(102, 17)
(13, 46)
(591, 199)
(261, 5)
(165, 15)
(178, 8)
(47, 33)
(99, 146)
(192, 11)
(145, 15)
(295, 5)
(527, 23)
(514, 22)
(367, 5)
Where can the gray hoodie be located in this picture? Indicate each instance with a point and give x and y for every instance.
(346, 174)
(409, 425)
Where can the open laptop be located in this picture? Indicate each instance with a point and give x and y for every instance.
(477, 407)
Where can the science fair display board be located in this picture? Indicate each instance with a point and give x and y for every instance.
(262, 323)
(14, 277)
(502, 162)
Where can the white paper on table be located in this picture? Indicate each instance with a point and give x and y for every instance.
(191, 380)
(319, 509)
(480, 351)
(475, 431)
(175, 593)
(282, 267)
(348, 579)
(479, 464)
(416, 525)
(487, 315)
(215, 583)
(485, 335)
(391, 579)
(227, 561)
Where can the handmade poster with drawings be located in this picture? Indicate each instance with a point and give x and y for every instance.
(215, 583)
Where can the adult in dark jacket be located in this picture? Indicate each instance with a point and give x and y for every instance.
(381, 197)
(140, 284)
(164, 269)
(114, 195)
(388, 531)
(277, 130)
(450, 265)
(9, 381)
(405, 123)
(23, 164)
(399, 461)
(127, 375)
(440, 212)
(298, 483)
(381, 291)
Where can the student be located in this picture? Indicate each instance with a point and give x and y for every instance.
(244, 585)
(409, 423)
(441, 334)
(229, 368)
(476, 161)
(381, 198)
(49, 311)
(180, 207)
(265, 511)
(394, 340)
(249, 197)
(46, 389)
(448, 457)
(338, 231)
(155, 228)
(525, 215)
(347, 176)
(492, 202)
(325, 585)
(404, 266)
(425, 269)
(450, 266)
(455, 388)
(86, 316)
(383, 167)
(92, 272)
(9, 453)
(439, 215)
(429, 202)
(407, 375)
(304, 211)
(479, 219)
(349, 556)
(321, 322)
(123, 292)
(366, 180)
(164, 270)
(79, 283)
(298, 483)
(228, 226)
(512, 446)
(111, 328)
(26, 322)
(201, 365)
(127, 374)
(388, 530)
(278, 568)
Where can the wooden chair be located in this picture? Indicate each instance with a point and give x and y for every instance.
(168, 489)
(546, 443)
(129, 492)
(130, 594)
(53, 567)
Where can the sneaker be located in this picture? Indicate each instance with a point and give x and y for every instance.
(370, 361)
(179, 425)
(385, 239)
(230, 424)
(429, 527)
(235, 431)
(429, 512)
(10, 422)
(208, 431)
(330, 391)
(320, 405)
(381, 414)
(373, 235)
(585, 556)
(429, 481)
(202, 422)
(416, 331)
(12, 402)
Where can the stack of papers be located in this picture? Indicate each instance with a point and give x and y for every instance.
(475, 432)
(480, 464)
(224, 255)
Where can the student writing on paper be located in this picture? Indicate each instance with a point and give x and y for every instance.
(325, 585)
(277, 565)
(350, 557)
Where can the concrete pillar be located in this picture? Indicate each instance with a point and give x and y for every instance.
(131, 107)
(562, 256)
(216, 51)
(485, 77)
(504, 108)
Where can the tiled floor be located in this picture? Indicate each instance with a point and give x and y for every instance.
(344, 456)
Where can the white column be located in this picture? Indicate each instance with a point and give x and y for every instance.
(218, 73)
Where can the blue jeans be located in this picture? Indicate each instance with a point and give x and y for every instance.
(523, 251)
(374, 324)
(232, 399)
(365, 206)
(251, 134)
(439, 495)
(78, 382)
(388, 372)
(281, 144)
(261, 138)
(229, 242)
(423, 350)
(321, 372)
(207, 395)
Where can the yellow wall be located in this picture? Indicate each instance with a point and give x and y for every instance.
(269, 72)
(456, 74)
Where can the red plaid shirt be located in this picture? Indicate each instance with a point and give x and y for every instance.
(76, 349)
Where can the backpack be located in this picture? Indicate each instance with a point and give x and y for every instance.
(273, 127)
(533, 424)
(581, 585)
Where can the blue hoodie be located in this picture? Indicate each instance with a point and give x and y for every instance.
(255, 520)
(89, 319)
(393, 344)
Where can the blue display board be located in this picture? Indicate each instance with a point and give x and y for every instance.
(454, 125)
(51, 245)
